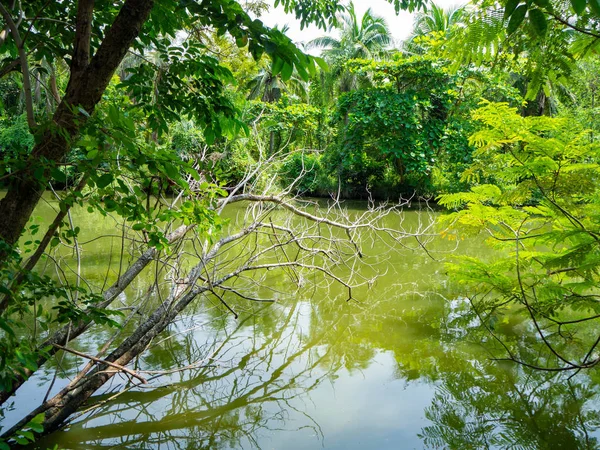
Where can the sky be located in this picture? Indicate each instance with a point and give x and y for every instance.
(400, 25)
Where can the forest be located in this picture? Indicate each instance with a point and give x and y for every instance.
(213, 236)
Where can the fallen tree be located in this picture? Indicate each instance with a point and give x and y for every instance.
(278, 236)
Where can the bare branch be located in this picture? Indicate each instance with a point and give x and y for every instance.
(108, 363)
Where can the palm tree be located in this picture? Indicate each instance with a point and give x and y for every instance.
(368, 37)
(435, 20)
(269, 88)
(438, 19)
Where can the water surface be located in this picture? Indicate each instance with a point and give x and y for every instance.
(401, 365)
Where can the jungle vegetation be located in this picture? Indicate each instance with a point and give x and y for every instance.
(161, 115)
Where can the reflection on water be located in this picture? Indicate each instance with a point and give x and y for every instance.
(404, 366)
(493, 406)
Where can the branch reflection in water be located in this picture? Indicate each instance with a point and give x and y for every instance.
(258, 372)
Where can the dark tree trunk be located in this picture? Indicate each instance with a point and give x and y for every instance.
(87, 84)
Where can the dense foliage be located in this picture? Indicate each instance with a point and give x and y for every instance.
(121, 107)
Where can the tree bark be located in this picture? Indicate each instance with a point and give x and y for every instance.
(73, 330)
(84, 92)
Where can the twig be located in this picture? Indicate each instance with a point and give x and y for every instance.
(103, 361)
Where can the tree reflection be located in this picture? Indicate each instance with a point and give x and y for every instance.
(501, 405)
(247, 390)
(266, 366)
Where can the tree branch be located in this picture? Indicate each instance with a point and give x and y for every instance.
(14, 31)
(83, 34)
(102, 361)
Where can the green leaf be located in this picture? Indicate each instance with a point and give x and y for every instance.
(6, 327)
(241, 41)
(516, 19)
(36, 427)
(595, 6)
(171, 171)
(39, 419)
(510, 8)
(104, 180)
(578, 6)
(277, 65)
(322, 64)
(302, 72)
(209, 135)
(538, 20)
(28, 435)
(59, 175)
(286, 71)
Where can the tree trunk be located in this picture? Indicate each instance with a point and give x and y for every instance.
(84, 91)
(73, 330)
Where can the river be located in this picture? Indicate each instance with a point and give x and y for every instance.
(403, 365)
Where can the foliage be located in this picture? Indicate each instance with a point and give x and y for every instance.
(288, 125)
(16, 141)
(303, 172)
(366, 38)
(400, 123)
(543, 208)
(435, 21)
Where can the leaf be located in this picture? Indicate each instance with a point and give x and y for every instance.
(171, 171)
(36, 427)
(59, 175)
(241, 41)
(104, 180)
(39, 419)
(538, 20)
(516, 19)
(277, 65)
(6, 327)
(578, 6)
(595, 6)
(83, 111)
(28, 435)
(302, 72)
(510, 8)
(286, 71)
(209, 135)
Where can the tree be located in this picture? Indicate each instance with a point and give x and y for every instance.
(398, 126)
(538, 201)
(102, 39)
(436, 20)
(365, 38)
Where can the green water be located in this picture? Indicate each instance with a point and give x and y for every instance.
(402, 366)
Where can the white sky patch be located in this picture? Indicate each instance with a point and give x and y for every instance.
(400, 25)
